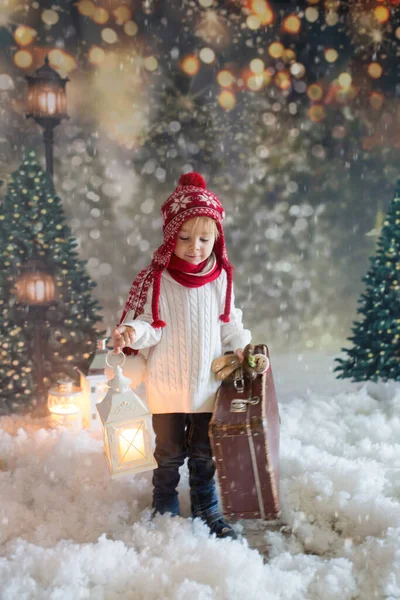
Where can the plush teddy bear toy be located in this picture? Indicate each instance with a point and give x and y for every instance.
(229, 366)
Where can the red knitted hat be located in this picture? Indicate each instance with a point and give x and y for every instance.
(190, 199)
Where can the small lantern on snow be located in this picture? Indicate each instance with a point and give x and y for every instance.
(126, 425)
(63, 404)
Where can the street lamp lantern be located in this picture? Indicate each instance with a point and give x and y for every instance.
(35, 287)
(47, 104)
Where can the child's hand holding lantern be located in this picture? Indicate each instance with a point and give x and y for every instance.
(123, 335)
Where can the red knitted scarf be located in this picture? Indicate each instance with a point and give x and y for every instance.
(184, 272)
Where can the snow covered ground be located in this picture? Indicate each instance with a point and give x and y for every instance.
(68, 532)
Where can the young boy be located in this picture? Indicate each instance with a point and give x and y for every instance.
(189, 285)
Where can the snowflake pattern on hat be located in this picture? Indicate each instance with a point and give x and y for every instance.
(209, 199)
(180, 201)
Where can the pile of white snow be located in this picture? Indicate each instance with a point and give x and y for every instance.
(67, 531)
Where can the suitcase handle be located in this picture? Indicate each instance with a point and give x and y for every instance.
(241, 405)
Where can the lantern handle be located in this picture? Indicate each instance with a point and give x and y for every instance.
(112, 353)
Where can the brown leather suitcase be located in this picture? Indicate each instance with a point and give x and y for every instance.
(244, 434)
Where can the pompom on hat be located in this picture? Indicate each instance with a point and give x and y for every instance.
(189, 200)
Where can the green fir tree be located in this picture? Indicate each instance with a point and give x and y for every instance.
(39, 343)
(375, 354)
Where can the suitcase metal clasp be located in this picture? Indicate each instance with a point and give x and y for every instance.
(241, 405)
(239, 385)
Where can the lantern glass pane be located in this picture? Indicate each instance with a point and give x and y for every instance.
(51, 103)
(133, 444)
(60, 404)
(35, 288)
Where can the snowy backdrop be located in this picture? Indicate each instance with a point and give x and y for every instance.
(68, 531)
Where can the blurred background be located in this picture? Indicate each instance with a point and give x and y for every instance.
(290, 110)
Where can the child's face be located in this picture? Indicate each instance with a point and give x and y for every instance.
(194, 244)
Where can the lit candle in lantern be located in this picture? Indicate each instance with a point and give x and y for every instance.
(131, 445)
(63, 404)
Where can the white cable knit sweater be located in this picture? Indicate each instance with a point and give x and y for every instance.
(179, 376)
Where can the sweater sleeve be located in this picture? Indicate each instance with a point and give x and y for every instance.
(233, 334)
(146, 335)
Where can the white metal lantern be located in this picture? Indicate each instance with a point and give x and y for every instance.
(63, 403)
(126, 425)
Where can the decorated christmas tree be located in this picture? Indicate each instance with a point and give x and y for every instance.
(48, 316)
(375, 354)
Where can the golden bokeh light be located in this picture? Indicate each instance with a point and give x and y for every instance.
(100, 15)
(262, 10)
(96, 55)
(122, 14)
(227, 100)
(62, 61)
(50, 17)
(86, 8)
(207, 55)
(109, 35)
(253, 22)
(225, 78)
(345, 80)
(316, 113)
(23, 59)
(151, 63)
(315, 92)
(255, 82)
(131, 28)
(282, 80)
(311, 14)
(292, 24)
(375, 70)
(382, 14)
(297, 70)
(24, 35)
(331, 18)
(289, 55)
(267, 77)
(331, 55)
(276, 50)
(257, 66)
(190, 65)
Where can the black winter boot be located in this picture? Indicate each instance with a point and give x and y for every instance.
(221, 528)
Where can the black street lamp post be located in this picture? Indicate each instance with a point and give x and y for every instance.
(36, 289)
(47, 104)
